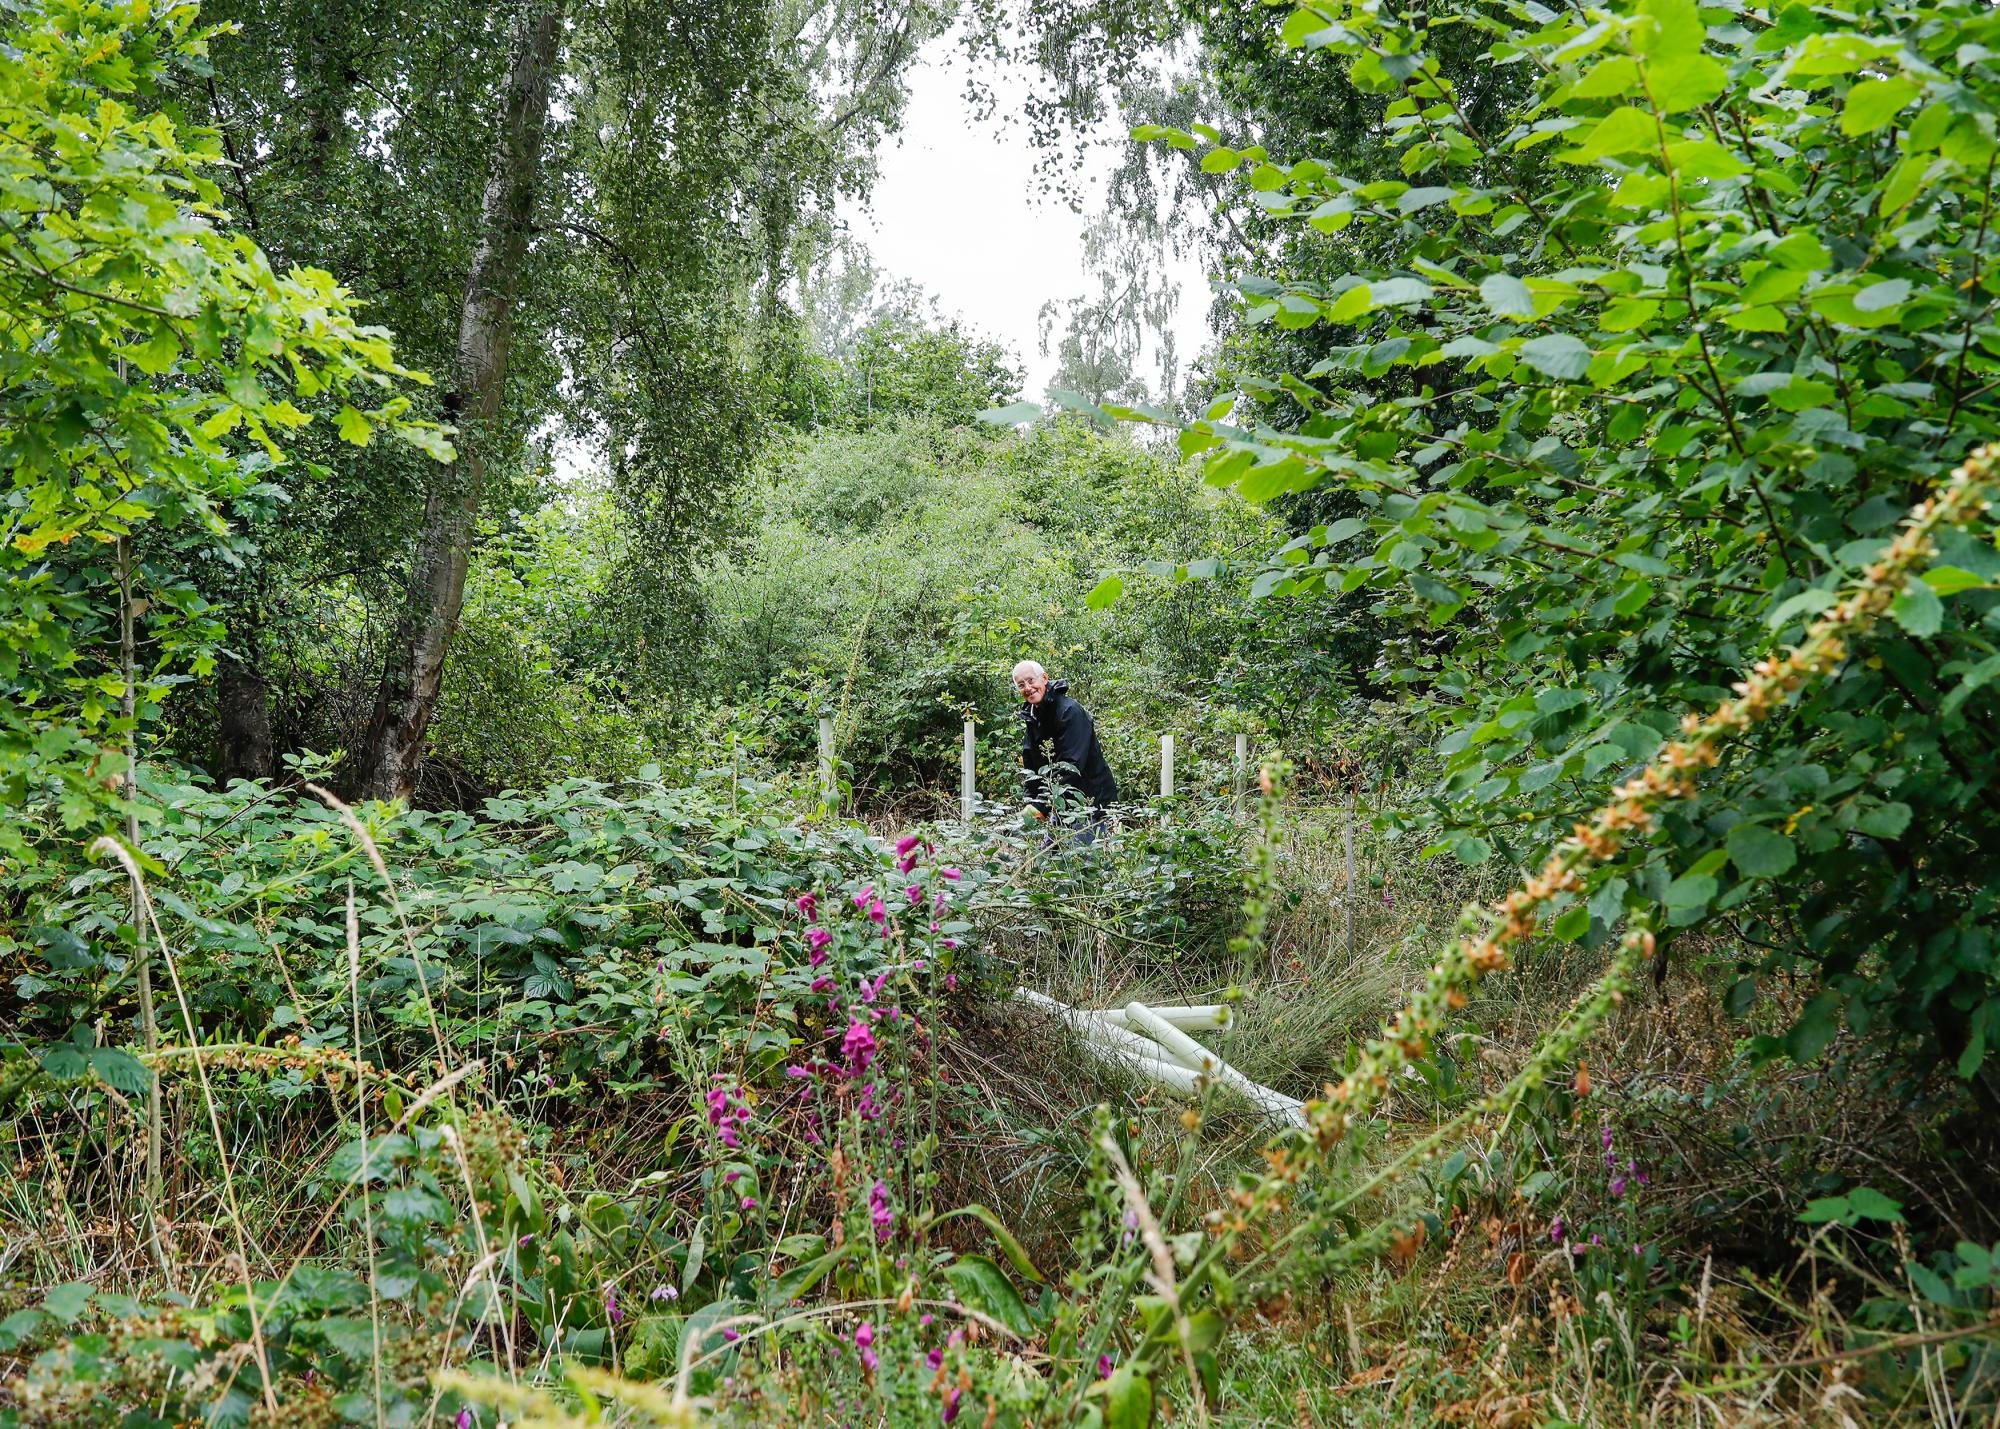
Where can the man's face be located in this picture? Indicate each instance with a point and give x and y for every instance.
(1032, 687)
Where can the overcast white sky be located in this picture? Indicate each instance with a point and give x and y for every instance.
(957, 211)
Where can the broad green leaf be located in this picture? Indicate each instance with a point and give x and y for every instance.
(1873, 103)
(1015, 1251)
(1128, 1400)
(1918, 609)
(1685, 81)
(1760, 852)
(982, 1286)
(1507, 296)
(1690, 891)
(1624, 130)
(1885, 821)
(1557, 355)
(1105, 593)
(1948, 581)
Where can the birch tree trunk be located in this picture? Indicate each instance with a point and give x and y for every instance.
(392, 751)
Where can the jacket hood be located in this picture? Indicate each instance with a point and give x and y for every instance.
(1056, 687)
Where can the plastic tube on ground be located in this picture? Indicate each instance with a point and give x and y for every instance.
(1192, 1054)
(1202, 1017)
(1114, 1044)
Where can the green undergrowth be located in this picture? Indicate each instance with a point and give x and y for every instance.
(633, 1109)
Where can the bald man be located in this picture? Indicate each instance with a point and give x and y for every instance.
(1060, 739)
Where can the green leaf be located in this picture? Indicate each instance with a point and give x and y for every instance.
(67, 1303)
(1873, 103)
(1105, 593)
(1299, 25)
(1759, 852)
(1507, 296)
(1624, 130)
(1869, 1204)
(354, 427)
(1128, 1400)
(1398, 292)
(1557, 355)
(1974, 680)
(1015, 1251)
(1918, 609)
(1687, 81)
(1011, 415)
(1815, 1029)
(1884, 821)
(1689, 892)
(982, 1286)
(1951, 580)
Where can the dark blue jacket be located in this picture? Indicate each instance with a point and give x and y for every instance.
(1059, 731)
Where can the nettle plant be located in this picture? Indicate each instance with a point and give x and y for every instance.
(1625, 383)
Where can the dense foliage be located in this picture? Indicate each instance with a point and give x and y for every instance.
(1610, 437)
(1580, 525)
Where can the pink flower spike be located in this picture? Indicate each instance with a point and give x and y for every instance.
(951, 982)
(822, 983)
(925, 1319)
(953, 874)
(806, 903)
(935, 1359)
(877, 912)
(907, 862)
(858, 1047)
(870, 1361)
(865, 1335)
(914, 893)
(1104, 1366)
(731, 1336)
(749, 1204)
(861, 898)
(906, 843)
(951, 942)
(464, 1420)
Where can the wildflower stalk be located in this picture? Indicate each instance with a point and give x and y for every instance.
(1488, 934)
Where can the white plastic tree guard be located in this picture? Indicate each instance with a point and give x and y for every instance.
(1149, 1042)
